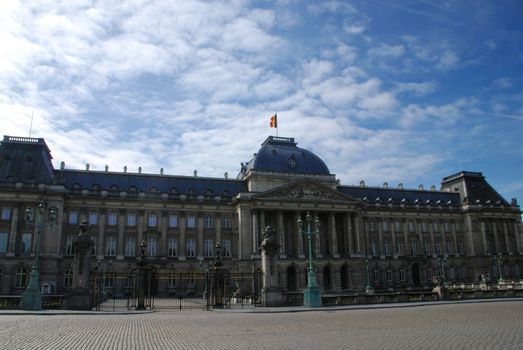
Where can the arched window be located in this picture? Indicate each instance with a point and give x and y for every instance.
(153, 189)
(76, 187)
(327, 278)
(207, 194)
(33, 180)
(114, 188)
(173, 192)
(95, 188)
(377, 274)
(21, 277)
(226, 193)
(133, 188)
(191, 193)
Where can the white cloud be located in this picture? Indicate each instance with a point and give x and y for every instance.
(385, 50)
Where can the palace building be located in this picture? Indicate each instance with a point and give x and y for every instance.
(393, 238)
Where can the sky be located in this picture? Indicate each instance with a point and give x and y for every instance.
(404, 91)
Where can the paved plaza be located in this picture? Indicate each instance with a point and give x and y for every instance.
(490, 325)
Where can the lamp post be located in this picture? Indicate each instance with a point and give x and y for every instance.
(32, 297)
(312, 293)
(499, 263)
(141, 277)
(442, 261)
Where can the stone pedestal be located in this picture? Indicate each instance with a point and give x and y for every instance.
(80, 296)
(272, 293)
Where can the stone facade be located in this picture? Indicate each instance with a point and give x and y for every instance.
(404, 236)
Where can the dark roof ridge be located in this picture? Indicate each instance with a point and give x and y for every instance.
(118, 173)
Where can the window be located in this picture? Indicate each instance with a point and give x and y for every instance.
(112, 218)
(437, 247)
(373, 250)
(26, 243)
(446, 227)
(457, 226)
(110, 246)
(412, 226)
(413, 247)
(191, 221)
(191, 194)
(151, 246)
(402, 274)
(460, 247)
(6, 213)
(386, 248)
(153, 189)
(399, 248)
(68, 278)
(208, 221)
(390, 274)
(173, 220)
(3, 241)
(130, 246)
(428, 272)
(227, 222)
(448, 244)
(21, 277)
(208, 248)
(131, 219)
(372, 226)
(377, 274)
(69, 248)
(191, 248)
(397, 226)
(73, 217)
(207, 194)
(226, 248)
(93, 218)
(435, 226)
(424, 227)
(385, 226)
(172, 247)
(152, 220)
(426, 248)
(114, 188)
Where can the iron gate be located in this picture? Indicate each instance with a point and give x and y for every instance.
(175, 290)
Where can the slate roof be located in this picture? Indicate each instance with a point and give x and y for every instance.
(477, 188)
(408, 196)
(281, 155)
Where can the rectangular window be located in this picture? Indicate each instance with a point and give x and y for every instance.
(227, 222)
(73, 217)
(131, 219)
(110, 246)
(112, 218)
(152, 220)
(386, 248)
(226, 248)
(208, 221)
(372, 226)
(93, 218)
(397, 226)
(373, 249)
(457, 226)
(437, 247)
(151, 246)
(173, 220)
(446, 227)
(130, 246)
(191, 248)
(428, 272)
(412, 226)
(389, 275)
(69, 245)
(424, 227)
(413, 247)
(6, 213)
(435, 227)
(460, 247)
(172, 247)
(191, 221)
(402, 275)
(26, 243)
(426, 248)
(399, 248)
(3, 242)
(208, 248)
(448, 244)
(385, 226)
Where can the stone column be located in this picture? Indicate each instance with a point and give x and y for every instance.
(245, 246)
(163, 219)
(317, 240)
(301, 253)
(380, 238)
(14, 233)
(431, 231)
(505, 234)
(140, 221)
(261, 213)
(101, 234)
(272, 292)
(348, 225)
(255, 228)
(393, 236)
(496, 238)
(486, 249)
(182, 224)
(518, 237)
(217, 229)
(281, 235)
(454, 239)
(468, 234)
(405, 237)
(121, 240)
(358, 224)
(333, 235)
(199, 230)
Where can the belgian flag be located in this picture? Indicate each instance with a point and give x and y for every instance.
(274, 121)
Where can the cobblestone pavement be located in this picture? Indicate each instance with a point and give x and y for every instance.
(496, 325)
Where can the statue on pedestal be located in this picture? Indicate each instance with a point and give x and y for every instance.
(272, 293)
(80, 296)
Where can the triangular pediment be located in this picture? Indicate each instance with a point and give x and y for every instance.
(305, 190)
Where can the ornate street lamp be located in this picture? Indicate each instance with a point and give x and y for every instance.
(499, 263)
(312, 293)
(141, 277)
(442, 261)
(32, 297)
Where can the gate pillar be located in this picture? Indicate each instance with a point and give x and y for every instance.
(80, 296)
(272, 293)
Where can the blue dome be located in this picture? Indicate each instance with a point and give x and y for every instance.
(281, 155)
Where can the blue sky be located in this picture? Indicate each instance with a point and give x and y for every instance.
(384, 91)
